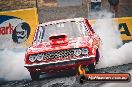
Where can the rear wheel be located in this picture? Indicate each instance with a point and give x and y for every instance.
(97, 56)
(34, 76)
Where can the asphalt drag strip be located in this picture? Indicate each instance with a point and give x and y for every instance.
(63, 80)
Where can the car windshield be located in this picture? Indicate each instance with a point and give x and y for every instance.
(71, 29)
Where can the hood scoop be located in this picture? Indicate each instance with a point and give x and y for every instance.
(58, 39)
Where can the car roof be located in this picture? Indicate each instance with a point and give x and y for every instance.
(62, 21)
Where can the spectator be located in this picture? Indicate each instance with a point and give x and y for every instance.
(95, 5)
(114, 6)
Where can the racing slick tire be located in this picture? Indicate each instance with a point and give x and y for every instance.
(97, 56)
(34, 76)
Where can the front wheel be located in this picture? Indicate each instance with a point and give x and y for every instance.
(90, 68)
(81, 79)
(34, 76)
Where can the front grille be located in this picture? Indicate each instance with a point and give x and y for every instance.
(58, 54)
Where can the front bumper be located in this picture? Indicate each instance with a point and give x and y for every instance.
(60, 65)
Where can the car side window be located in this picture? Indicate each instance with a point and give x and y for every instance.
(36, 34)
(84, 28)
(39, 35)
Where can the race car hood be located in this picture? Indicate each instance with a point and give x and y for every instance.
(72, 43)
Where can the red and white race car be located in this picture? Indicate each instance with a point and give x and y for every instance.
(62, 45)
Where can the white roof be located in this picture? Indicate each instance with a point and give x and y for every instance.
(63, 20)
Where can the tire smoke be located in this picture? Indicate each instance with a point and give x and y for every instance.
(113, 51)
(12, 65)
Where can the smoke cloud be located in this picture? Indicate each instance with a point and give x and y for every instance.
(12, 64)
(113, 52)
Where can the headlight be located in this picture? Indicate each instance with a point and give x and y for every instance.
(39, 57)
(32, 58)
(84, 51)
(77, 52)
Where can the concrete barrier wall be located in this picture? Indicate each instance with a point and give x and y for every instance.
(63, 3)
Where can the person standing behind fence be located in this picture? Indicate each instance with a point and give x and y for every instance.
(95, 5)
(114, 6)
